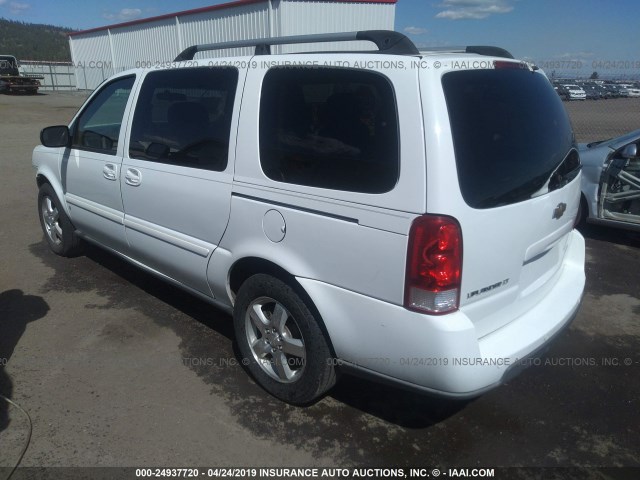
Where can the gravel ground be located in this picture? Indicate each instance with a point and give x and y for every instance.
(116, 368)
(602, 119)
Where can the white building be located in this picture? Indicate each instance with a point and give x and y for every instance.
(100, 52)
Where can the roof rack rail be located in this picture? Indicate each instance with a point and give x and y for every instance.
(387, 41)
(486, 50)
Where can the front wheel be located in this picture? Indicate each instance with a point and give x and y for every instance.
(58, 229)
(281, 342)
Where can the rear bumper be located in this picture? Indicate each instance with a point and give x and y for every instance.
(22, 85)
(443, 355)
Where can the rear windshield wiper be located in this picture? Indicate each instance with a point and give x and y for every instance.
(560, 176)
(563, 174)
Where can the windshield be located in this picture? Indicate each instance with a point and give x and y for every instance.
(510, 134)
(8, 66)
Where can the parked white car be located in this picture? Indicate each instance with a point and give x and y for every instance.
(575, 92)
(611, 181)
(403, 215)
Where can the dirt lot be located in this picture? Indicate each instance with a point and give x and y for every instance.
(116, 368)
(602, 119)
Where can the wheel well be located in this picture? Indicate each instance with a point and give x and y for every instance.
(247, 267)
(586, 212)
(41, 180)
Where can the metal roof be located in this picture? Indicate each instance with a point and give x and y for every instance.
(222, 6)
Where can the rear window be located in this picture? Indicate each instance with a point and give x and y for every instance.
(8, 66)
(511, 134)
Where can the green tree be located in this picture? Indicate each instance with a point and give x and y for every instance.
(29, 41)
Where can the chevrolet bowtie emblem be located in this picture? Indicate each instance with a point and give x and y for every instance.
(559, 210)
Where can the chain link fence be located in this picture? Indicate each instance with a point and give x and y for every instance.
(603, 119)
(52, 75)
(593, 118)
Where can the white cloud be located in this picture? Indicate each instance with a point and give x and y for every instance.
(574, 55)
(124, 15)
(17, 7)
(415, 30)
(433, 44)
(130, 12)
(473, 9)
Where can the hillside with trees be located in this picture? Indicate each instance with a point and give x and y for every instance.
(30, 41)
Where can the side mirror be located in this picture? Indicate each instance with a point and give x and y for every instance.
(630, 151)
(54, 137)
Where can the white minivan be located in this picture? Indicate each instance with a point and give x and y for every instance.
(399, 214)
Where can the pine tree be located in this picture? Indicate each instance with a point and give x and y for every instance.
(29, 41)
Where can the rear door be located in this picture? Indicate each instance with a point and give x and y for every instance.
(176, 176)
(620, 181)
(517, 190)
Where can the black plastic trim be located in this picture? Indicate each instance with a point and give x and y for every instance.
(295, 207)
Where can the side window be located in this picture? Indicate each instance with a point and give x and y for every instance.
(183, 117)
(329, 128)
(98, 127)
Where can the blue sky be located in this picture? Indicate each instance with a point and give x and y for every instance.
(585, 31)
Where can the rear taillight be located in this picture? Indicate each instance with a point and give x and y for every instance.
(434, 265)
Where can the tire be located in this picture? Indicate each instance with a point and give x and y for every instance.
(58, 229)
(281, 343)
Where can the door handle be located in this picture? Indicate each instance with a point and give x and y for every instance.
(133, 177)
(110, 171)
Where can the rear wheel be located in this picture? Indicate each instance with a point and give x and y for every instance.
(281, 342)
(58, 229)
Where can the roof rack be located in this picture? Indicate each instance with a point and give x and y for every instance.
(387, 41)
(479, 49)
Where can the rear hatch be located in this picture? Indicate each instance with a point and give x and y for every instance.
(512, 150)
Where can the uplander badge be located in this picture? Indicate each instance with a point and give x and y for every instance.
(487, 288)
